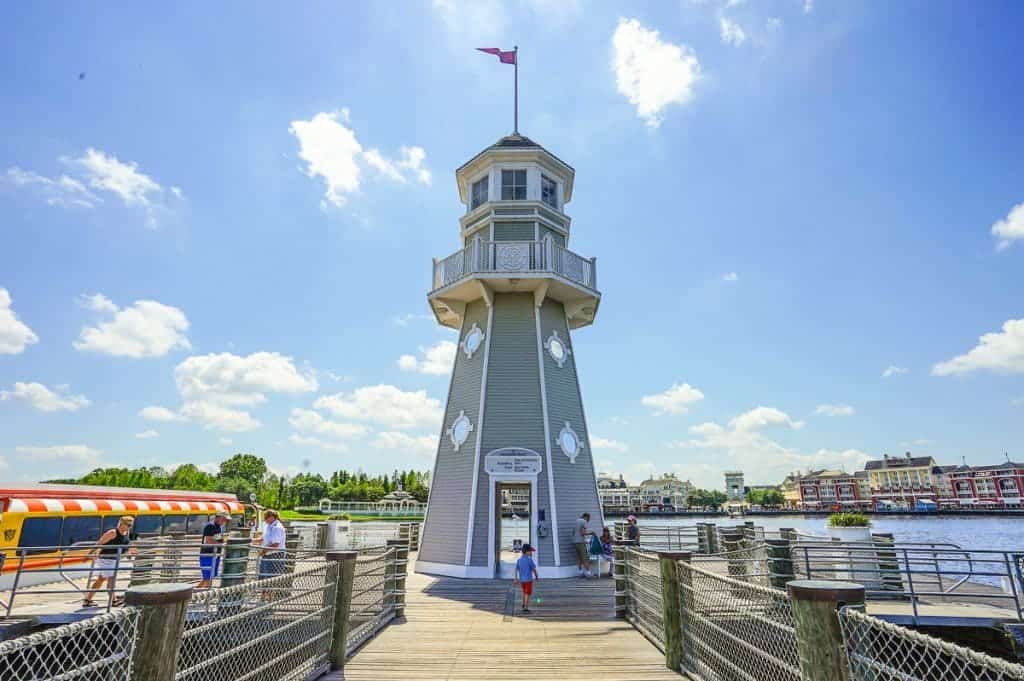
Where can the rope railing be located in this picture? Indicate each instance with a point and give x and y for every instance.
(374, 592)
(275, 628)
(643, 595)
(880, 651)
(735, 629)
(101, 647)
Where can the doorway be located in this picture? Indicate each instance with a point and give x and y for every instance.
(513, 512)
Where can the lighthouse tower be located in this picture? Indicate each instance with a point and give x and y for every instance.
(514, 463)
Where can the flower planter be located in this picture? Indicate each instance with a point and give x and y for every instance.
(857, 562)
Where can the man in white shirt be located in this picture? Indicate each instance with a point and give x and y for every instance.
(272, 557)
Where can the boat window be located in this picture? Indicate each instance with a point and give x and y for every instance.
(83, 529)
(196, 523)
(146, 525)
(174, 524)
(238, 521)
(110, 522)
(40, 532)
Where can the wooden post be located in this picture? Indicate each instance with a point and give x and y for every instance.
(414, 540)
(686, 600)
(780, 563)
(291, 547)
(819, 639)
(321, 536)
(619, 571)
(889, 576)
(145, 555)
(161, 623)
(670, 607)
(788, 533)
(400, 570)
(342, 604)
(732, 544)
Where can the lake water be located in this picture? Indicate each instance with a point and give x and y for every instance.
(973, 532)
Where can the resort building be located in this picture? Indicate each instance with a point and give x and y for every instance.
(900, 482)
(665, 493)
(831, 490)
(514, 417)
(790, 489)
(995, 486)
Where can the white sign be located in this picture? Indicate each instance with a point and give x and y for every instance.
(512, 461)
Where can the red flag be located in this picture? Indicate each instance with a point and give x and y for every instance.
(504, 57)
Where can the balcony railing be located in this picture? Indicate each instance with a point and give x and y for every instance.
(515, 257)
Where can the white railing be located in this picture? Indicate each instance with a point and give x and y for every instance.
(515, 256)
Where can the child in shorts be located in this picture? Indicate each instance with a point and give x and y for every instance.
(525, 574)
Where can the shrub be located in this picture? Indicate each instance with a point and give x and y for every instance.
(848, 520)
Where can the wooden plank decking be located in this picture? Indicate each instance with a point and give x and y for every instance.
(462, 629)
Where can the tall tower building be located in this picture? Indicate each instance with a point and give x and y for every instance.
(514, 425)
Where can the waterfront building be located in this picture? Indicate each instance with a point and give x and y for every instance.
(514, 415)
(616, 496)
(994, 486)
(899, 482)
(831, 490)
(790, 489)
(665, 493)
(734, 489)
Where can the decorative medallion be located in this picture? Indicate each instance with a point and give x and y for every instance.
(472, 341)
(513, 257)
(557, 348)
(460, 430)
(569, 442)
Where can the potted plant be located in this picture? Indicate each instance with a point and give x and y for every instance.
(847, 527)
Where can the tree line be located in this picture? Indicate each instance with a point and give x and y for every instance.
(245, 474)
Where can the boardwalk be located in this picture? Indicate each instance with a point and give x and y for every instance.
(462, 629)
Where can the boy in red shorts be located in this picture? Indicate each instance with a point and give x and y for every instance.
(526, 573)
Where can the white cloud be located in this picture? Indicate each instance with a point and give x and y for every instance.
(731, 32)
(893, 370)
(1001, 352)
(409, 317)
(42, 398)
(309, 421)
(214, 415)
(162, 414)
(834, 410)
(385, 405)
(730, 276)
(79, 454)
(307, 441)
(483, 20)
(414, 444)
(59, 191)
(123, 179)
(606, 444)
(226, 441)
(436, 360)
(742, 444)
(675, 400)
(808, 6)
(146, 329)
(147, 435)
(331, 151)
(1010, 228)
(763, 417)
(230, 379)
(15, 335)
(650, 72)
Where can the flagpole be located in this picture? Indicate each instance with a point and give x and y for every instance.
(515, 124)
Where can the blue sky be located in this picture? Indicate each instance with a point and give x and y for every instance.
(218, 224)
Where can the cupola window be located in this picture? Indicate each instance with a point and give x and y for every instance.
(479, 193)
(549, 191)
(513, 185)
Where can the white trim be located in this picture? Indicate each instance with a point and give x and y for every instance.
(586, 430)
(494, 481)
(479, 437)
(465, 341)
(449, 570)
(547, 442)
(456, 443)
(567, 430)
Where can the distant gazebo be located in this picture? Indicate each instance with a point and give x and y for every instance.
(398, 501)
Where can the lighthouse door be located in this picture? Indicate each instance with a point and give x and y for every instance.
(513, 524)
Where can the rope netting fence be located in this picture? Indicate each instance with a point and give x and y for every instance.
(267, 630)
(735, 630)
(643, 595)
(373, 594)
(96, 649)
(881, 651)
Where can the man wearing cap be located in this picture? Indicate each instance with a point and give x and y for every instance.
(209, 554)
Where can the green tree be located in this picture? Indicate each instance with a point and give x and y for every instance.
(247, 467)
(188, 476)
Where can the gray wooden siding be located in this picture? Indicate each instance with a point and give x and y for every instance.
(512, 409)
(514, 231)
(558, 238)
(444, 530)
(575, 482)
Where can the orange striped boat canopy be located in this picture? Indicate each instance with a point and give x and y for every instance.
(45, 505)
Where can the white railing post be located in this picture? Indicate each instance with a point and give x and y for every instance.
(593, 272)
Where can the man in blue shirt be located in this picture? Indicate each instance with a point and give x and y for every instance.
(526, 573)
(209, 558)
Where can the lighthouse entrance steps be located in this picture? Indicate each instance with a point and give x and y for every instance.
(463, 630)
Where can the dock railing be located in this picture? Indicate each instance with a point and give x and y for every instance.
(714, 626)
(292, 626)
